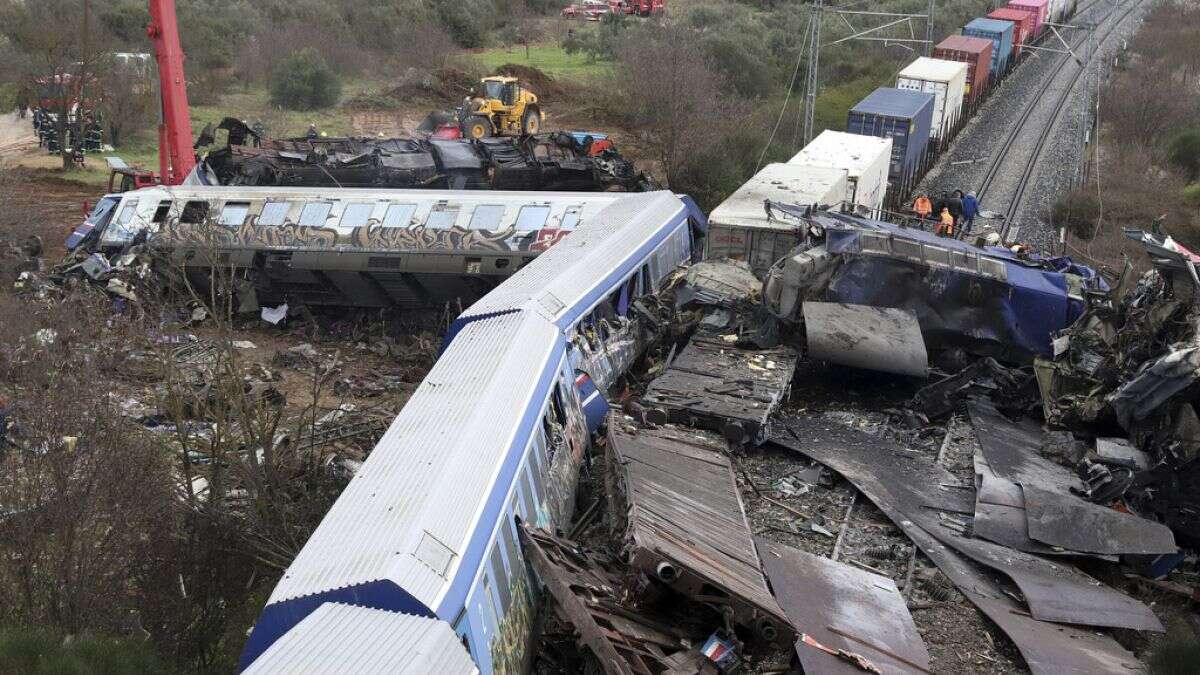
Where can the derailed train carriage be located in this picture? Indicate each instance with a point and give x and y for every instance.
(423, 543)
(347, 247)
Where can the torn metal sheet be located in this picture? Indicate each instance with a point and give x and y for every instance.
(1084, 526)
(845, 608)
(1048, 648)
(1000, 515)
(1120, 452)
(1149, 391)
(1011, 451)
(887, 472)
(686, 525)
(714, 385)
(585, 587)
(871, 338)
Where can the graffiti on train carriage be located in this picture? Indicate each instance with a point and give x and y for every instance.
(373, 236)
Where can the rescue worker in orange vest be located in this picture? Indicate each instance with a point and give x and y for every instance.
(946, 226)
(922, 207)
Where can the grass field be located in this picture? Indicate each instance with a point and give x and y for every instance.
(548, 58)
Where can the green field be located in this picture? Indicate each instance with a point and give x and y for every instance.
(548, 58)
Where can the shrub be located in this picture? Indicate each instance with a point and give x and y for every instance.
(1184, 152)
(1191, 195)
(1078, 210)
(303, 81)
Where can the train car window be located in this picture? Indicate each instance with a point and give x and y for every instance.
(442, 217)
(233, 214)
(534, 495)
(315, 214)
(527, 500)
(532, 217)
(487, 217)
(194, 213)
(570, 219)
(647, 282)
(161, 213)
(356, 214)
(274, 213)
(127, 212)
(493, 619)
(512, 555)
(539, 443)
(501, 575)
(399, 215)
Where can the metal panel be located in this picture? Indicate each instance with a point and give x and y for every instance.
(1054, 591)
(339, 638)
(713, 385)
(843, 608)
(686, 523)
(872, 338)
(1055, 514)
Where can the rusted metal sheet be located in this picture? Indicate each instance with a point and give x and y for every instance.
(887, 472)
(843, 608)
(859, 336)
(685, 524)
(586, 589)
(1056, 516)
(713, 385)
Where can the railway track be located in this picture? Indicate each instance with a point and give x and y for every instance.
(1041, 108)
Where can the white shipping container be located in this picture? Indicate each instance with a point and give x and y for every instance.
(739, 227)
(946, 80)
(865, 159)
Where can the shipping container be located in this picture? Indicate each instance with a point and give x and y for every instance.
(1001, 35)
(865, 159)
(1040, 10)
(904, 116)
(1022, 21)
(946, 80)
(976, 52)
(740, 229)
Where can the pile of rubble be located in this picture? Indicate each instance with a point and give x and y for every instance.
(1054, 490)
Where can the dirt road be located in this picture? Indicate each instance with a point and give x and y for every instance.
(16, 135)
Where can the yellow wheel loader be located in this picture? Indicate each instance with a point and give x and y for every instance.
(504, 109)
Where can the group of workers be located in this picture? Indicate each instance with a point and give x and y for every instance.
(954, 211)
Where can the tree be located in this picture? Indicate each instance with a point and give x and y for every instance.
(673, 96)
(1185, 153)
(130, 100)
(63, 45)
(303, 81)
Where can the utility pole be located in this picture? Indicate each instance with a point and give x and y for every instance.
(814, 62)
(889, 19)
(929, 29)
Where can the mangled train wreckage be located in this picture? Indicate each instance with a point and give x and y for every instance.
(978, 299)
(553, 161)
(352, 247)
(492, 439)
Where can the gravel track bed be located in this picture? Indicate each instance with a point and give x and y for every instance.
(967, 162)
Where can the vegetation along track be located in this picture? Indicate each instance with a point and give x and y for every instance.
(1035, 122)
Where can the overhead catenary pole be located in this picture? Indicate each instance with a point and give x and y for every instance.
(814, 62)
(929, 29)
(817, 8)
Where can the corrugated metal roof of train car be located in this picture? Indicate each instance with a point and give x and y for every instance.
(571, 269)
(259, 192)
(447, 446)
(348, 639)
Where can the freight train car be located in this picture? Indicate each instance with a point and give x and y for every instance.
(977, 54)
(904, 116)
(1001, 35)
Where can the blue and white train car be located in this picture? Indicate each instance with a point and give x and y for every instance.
(493, 437)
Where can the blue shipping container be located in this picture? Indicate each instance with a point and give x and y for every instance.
(901, 115)
(1000, 33)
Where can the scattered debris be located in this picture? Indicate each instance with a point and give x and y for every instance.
(685, 524)
(712, 384)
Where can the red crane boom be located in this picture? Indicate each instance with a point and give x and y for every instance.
(176, 158)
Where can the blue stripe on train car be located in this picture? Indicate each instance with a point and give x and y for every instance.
(595, 406)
